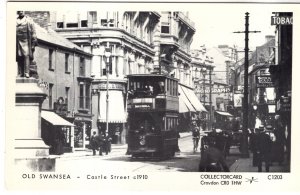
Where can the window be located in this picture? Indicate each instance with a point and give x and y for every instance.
(165, 29)
(51, 59)
(67, 63)
(59, 25)
(72, 25)
(81, 96)
(82, 67)
(84, 95)
(109, 23)
(67, 89)
(84, 23)
(165, 22)
(87, 96)
(93, 15)
(50, 95)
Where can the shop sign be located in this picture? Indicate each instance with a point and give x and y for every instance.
(264, 81)
(237, 100)
(111, 86)
(214, 90)
(281, 20)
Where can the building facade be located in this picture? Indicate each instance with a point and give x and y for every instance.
(139, 43)
(64, 72)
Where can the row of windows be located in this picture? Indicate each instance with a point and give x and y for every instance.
(84, 96)
(67, 69)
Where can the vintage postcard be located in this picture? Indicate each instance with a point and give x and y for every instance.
(144, 96)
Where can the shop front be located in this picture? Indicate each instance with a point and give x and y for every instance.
(57, 133)
(82, 132)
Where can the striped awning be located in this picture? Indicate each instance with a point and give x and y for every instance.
(188, 101)
(184, 103)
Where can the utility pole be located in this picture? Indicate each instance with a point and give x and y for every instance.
(244, 147)
(210, 101)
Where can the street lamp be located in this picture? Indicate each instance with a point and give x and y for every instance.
(107, 55)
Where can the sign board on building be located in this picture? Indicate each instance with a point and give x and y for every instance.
(111, 86)
(264, 81)
(281, 20)
(214, 90)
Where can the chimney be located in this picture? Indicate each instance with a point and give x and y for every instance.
(269, 38)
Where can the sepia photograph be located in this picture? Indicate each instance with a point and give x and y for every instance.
(151, 95)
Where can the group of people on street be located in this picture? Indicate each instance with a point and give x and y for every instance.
(100, 142)
(267, 148)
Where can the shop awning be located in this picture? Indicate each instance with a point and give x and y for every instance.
(55, 119)
(193, 100)
(116, 109)
(223, 113)
(184, 103)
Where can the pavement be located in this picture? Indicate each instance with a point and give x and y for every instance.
(245, 164)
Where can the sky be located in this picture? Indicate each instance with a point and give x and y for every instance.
(216, 27)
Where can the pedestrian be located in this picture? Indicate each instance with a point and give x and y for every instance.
(196, 135)
(280, 140)
(25, 43)
(212, 159)
(101, 142)
(107, 144)
(262, 144)
(94, 143)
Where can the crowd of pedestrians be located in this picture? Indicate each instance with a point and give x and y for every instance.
(101, 142)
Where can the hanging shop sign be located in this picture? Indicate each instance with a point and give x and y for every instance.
(264, 81)
(237, 100)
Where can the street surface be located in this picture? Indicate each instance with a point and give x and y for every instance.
(185, 161)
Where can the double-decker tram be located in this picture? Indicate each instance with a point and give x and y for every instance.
(152, 116)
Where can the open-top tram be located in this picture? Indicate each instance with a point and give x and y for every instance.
(152, 116)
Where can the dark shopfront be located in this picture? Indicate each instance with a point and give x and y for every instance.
(56, 133)
(116, 130)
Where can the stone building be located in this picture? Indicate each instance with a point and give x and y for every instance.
(64, 72)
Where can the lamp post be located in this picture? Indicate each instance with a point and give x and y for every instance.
(203, 71)
(107, 54)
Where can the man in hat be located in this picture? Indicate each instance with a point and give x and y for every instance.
(262, 145)
(26, 42)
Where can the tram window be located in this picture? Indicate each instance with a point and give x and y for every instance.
(138, 85)
(161, 85)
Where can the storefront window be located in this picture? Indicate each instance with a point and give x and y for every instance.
(78, 135)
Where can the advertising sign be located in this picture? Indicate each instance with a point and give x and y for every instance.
(237, 100)
(281, 20)
(264, 81)
(214, 90)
